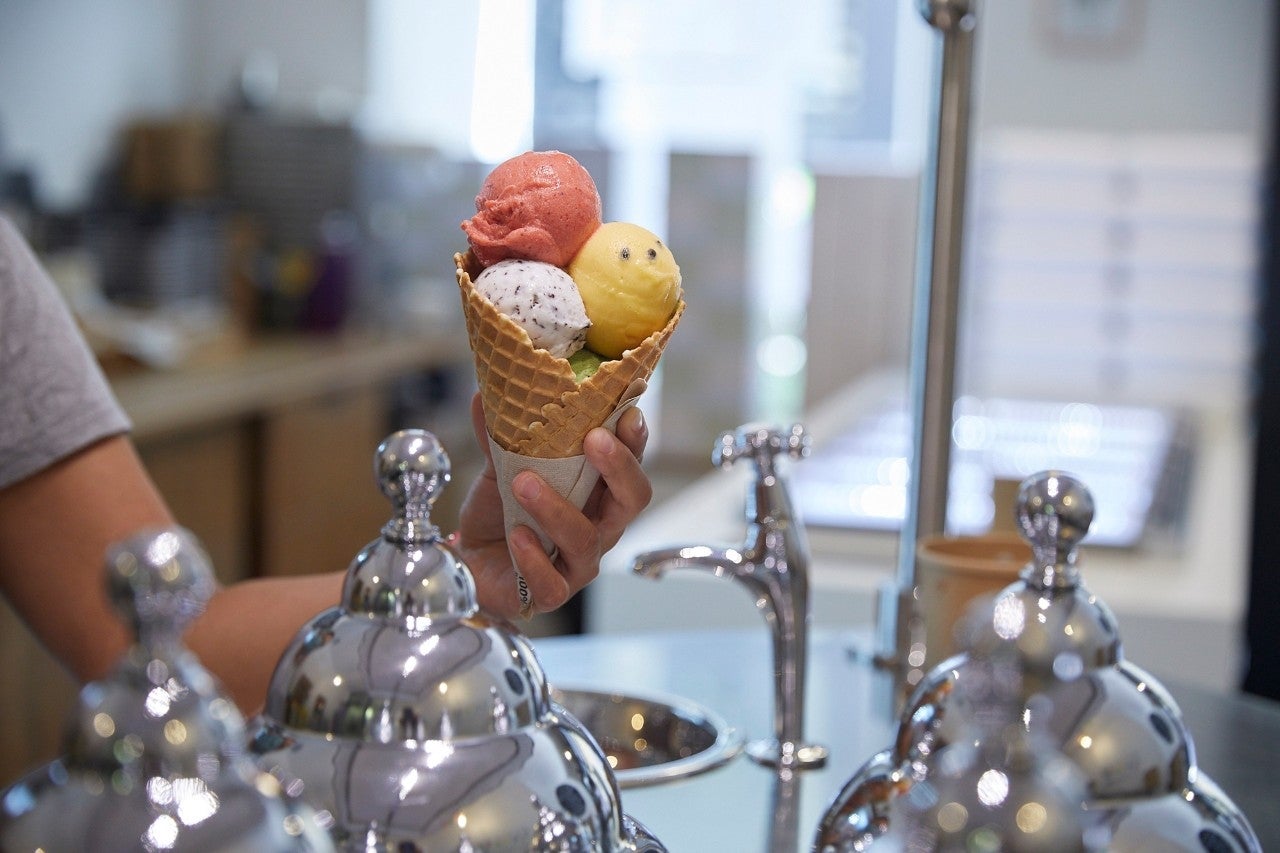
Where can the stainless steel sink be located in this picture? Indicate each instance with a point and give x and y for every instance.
(651, 739)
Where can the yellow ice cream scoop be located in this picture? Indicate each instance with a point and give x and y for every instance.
(629, 283)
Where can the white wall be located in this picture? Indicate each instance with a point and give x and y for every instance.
(70, 70)
(1192, 65)
(318, 47)
(421, 75)
(1164, 120)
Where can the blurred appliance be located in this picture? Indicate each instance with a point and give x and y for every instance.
(161, 256)
(290, 173)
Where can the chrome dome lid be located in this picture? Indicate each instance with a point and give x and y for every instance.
(407, 655)
(860, 813)
(417, 721)
(999, 785)
(155, 755)
(1112, 722)
(1202, 818)
(1118, 724)
(1115, 721)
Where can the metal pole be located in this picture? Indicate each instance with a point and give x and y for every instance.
(933, 335)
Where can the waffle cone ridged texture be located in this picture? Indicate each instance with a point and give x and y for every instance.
(532, 404)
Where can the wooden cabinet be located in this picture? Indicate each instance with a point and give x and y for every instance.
(287, 491)
(37, 696)
(319, 503)
(206, 477)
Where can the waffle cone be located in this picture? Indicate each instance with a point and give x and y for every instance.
(532, 404)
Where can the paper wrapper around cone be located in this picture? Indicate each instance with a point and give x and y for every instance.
(537, 414)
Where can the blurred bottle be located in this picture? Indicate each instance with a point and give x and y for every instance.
(328, 301)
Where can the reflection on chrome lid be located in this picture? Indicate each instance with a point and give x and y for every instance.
(155, 756)
(418, 721)
(1043, 659)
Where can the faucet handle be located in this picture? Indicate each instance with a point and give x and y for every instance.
(760, 443)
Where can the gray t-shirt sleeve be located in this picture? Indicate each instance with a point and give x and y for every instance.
(54, 399)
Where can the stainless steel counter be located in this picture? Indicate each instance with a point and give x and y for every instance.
(735, 808)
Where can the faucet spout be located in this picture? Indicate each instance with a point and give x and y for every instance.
(720, 562)
(773, 563)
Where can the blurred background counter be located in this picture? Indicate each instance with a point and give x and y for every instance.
(293, 416)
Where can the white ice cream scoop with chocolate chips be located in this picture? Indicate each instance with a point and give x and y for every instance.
(542, 299)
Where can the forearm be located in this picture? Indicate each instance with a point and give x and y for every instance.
(55, 528)
(248, 625)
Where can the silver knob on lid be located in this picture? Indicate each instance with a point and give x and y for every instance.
(159, 581)
(412, 469)
(1053, 513)
(408, 573)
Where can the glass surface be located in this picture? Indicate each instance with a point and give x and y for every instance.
(1134, 459)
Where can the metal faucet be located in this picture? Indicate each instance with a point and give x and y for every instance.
(773, 562)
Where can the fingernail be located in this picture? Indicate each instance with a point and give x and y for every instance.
(527, 486)
(640, 425)
(524, 538)
(604, 444)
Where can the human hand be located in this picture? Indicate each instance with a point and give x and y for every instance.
(581, 536)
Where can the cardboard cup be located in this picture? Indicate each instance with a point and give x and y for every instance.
(953, 573)
(1004, 495)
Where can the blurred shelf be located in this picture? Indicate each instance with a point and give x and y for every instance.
(271, 372)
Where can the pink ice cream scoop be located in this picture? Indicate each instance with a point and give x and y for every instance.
(539, 206)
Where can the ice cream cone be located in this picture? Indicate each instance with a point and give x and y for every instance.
(532, 404)
(536, 413)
